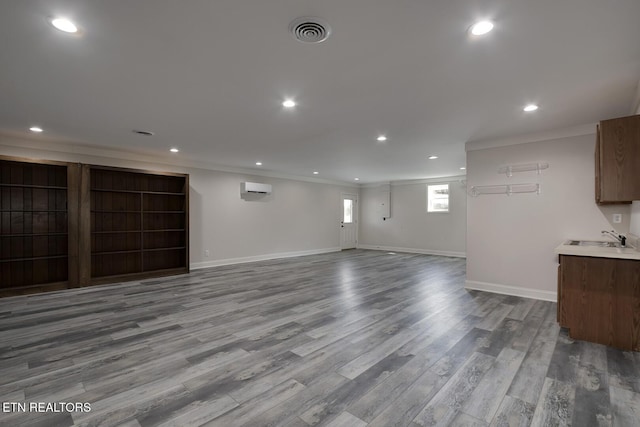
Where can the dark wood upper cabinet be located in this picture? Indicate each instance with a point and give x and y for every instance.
(618, 160)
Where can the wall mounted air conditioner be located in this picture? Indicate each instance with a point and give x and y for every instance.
(254, 188)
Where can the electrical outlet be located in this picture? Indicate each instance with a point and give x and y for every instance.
(617, 218)
(206, 253)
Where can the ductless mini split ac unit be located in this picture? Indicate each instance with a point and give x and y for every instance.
(254, 188)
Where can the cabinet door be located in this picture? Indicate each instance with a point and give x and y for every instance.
(560, 313)
(619, 160)
(601, 300)
(598, 159)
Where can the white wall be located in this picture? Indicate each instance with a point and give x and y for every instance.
(297, 218)
(511, 240)
(634, 226)
(410, 228)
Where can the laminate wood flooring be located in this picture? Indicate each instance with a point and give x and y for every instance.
(357, 338)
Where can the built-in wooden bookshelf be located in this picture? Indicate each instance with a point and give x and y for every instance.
(65, 225)
(138, 223)
(35, 209)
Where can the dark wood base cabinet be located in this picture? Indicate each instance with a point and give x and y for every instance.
(65, 225)
(599, 300)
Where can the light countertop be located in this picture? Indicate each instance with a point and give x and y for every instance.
(595, 251)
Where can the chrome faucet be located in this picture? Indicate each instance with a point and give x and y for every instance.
(619, 237)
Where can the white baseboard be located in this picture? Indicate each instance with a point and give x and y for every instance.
(414, 250)
(512, 290)
(265, 257)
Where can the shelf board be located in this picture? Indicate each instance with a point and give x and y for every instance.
(132, 251)
(34, 234)
(163, 193)
(34, 210)
(33, 258)
(164, 249)
(106, 211)
(45, 187)
(117, 232)
(140, 231)
(137, 251)
(32, 289)
(166, 193)
(139, 212)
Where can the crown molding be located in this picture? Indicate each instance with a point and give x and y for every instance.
(375, 184)
(45, 147)
(451, 178)
(435, 180)
(585, 129)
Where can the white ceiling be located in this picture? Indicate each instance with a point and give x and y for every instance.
(209, 77)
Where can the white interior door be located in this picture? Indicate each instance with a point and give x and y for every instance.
(349, 222)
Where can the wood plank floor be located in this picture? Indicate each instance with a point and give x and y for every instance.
(358, 338)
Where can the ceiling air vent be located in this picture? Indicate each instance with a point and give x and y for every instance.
(310, 30)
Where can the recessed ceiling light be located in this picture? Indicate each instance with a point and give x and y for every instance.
(289, 103)
(463, 169)
(531, 107)
(63, 24)
(433, 157)
(35, 129)
(356, 179)
(481, 28)
(382, 138)
(258, 163)
(174, 150)
(143, 132)
(316, 172)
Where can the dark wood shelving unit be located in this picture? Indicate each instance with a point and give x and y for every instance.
(64, 225)
(138, 223)
(37, 238)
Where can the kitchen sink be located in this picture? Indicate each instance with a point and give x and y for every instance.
(596, 243)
